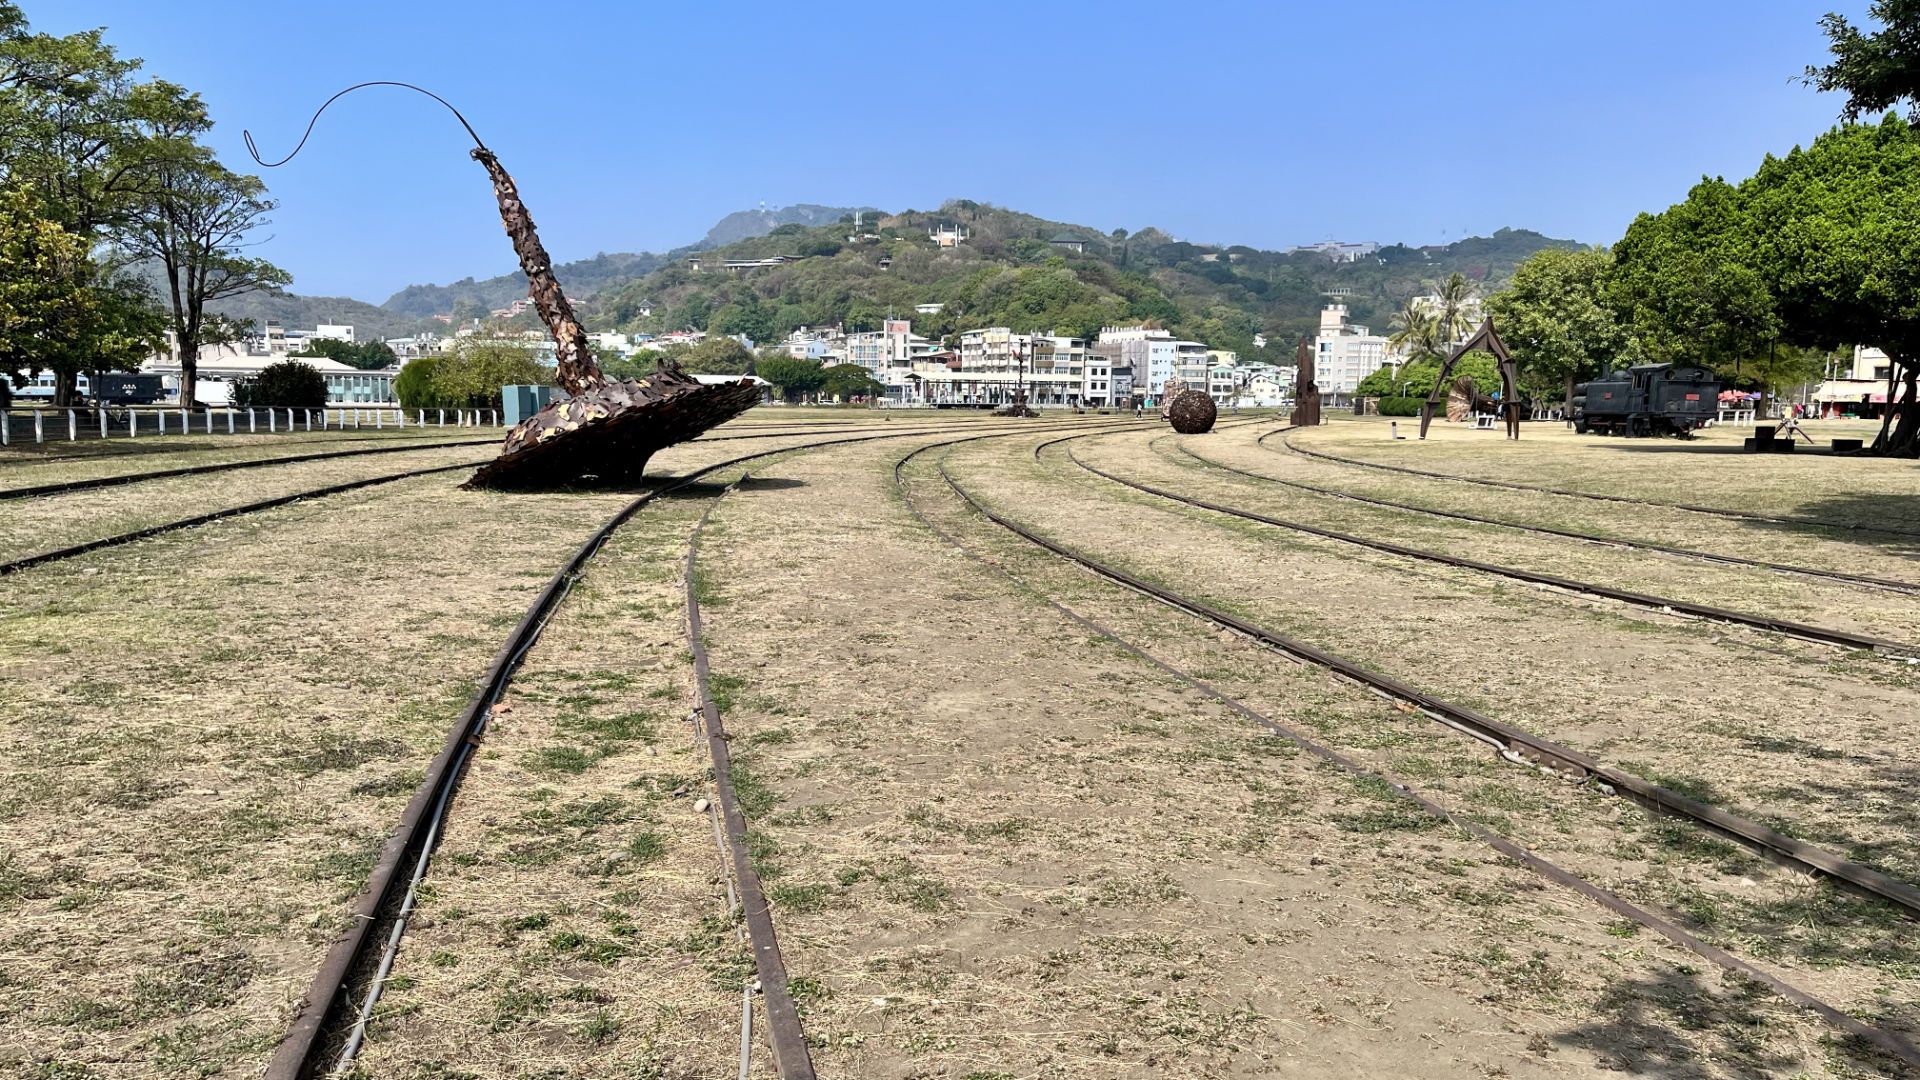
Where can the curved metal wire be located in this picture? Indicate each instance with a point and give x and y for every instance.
(255, 151)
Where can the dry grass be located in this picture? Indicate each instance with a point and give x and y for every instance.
(206, 743)
(576, 920)
(1706, 471)
(996, 846)
(1000, 848)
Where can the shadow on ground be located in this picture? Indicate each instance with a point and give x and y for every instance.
(1677, 1025)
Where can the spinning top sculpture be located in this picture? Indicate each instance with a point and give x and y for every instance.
(605, 429)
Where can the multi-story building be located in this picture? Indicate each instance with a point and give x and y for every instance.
(1190, 364)
(1344, 353)
(993, 363)
(1338, 251)
(1151, 355)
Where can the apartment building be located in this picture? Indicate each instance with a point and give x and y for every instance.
(1345, 352)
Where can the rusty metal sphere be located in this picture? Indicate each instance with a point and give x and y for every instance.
(1192, 413)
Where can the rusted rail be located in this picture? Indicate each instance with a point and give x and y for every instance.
(1884, 1040)
(1514, 743)
(1862, 580)
(1716, 511)
(784, 1032)
(70, 551)
(92, 483)
(1820, 634)
(326, 1001)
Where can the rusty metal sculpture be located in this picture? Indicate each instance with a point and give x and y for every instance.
(1192, 412)
(605, 430)
(1483, 338)
(1306, 392)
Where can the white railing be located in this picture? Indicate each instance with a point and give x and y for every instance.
(42, 424)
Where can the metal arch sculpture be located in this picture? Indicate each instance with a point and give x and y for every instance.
(1484, 338)
(606, 429)
(1306, 391)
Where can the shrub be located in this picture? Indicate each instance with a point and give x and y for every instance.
(287, 384)
(472, 374)
(414, 385)
(1401, 406)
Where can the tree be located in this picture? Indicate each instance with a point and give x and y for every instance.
(365, 355)
(59, 310)
(792, 378)
(716, 355)
(287, 384)
(1833, 235)
(1876, 71)
(79, 130)
(1556, 321)
(849, 381)
(1686, 282)
(193, 226)
(1451, 322)
(1415, 332)
(415, 386)
(471, 375)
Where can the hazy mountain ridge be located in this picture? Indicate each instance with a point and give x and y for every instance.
(1279, 290)
(747, 224)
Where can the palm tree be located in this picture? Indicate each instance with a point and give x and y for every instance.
(1416, 333)
(1456, 295)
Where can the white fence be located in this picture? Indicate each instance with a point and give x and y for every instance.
(42, 424)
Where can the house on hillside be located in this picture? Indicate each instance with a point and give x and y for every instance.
(1067, 241)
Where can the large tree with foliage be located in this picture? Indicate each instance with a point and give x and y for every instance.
(1876, 70)
(193, 226)
(791, 377)
(716, 355)
(849, 381)
(1835, 233)
(471, 373)
(1556, 321)
(61, 311)
(1685, 280)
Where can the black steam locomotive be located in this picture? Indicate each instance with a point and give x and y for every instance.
(1650, 399)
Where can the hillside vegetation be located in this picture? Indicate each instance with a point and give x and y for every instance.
(1008, 273)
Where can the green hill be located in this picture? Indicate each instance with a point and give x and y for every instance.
(1009, 272)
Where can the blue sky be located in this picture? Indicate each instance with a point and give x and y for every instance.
(634, 126)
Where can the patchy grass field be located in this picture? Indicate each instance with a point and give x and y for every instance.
(996, 844)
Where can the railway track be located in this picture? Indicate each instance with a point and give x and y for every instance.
(1861, 580)
(68, 552)
(785, 1036)
(55, 555)
(328, 1024)
(92, 483)
(1715, 511)
(64, 487)
(1668, 605)
(1886, 1041)
(1514, 744)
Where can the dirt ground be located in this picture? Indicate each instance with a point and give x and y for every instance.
(207, 736)
(996, 844)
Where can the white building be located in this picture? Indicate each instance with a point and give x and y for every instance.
(1337, 250)
(1151, 354)
(993, 363)
(1345, 353)
(220, 366)
(335, 331)
(611, 342)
